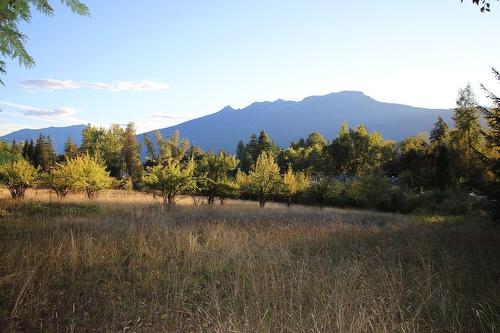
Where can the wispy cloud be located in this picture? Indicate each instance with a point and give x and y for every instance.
(60, 114)
(166, 116)
(53, 84)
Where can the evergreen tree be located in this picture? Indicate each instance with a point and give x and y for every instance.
(70, 148)
(492, 134)
(252, 148)
(151, 157)
(16, 148)
(242, 155)
(440, 131)
(44, 154)
(264, 143)
(29, 151)
(467, 134)
(131, 155)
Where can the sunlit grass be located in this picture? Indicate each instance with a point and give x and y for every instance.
(124, 262)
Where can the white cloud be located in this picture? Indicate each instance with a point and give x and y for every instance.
(166, 116)
(59, 114)
(49, 113)
(52, 85)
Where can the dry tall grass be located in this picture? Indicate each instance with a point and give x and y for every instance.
(124, 263)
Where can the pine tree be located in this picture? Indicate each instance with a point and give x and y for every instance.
(252, 148)
(151, 157)
(16, 148)
(467, 136)
(131, 155)
(70, 148)
(264, 143)
(44, 154)
(492, 133)
(242, 155)
(440, 131)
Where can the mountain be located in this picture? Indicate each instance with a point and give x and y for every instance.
(284, 121)
(287, 121)
(58, 135)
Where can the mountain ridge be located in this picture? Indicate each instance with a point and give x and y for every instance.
(284, 121)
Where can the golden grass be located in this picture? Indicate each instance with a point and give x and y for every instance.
(123, 262)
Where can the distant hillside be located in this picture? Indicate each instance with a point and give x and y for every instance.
(58, 135)
(287, 121)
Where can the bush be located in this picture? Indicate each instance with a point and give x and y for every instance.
(372, 191)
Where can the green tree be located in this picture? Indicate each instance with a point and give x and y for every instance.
(44, 154)
(91, 175)
(174, 173)
(172, 149)
(15, 12)
(370, 191)
(467, 134)
(245, 160)
(315, 139)
(92, 141)
(440, 131)
(64, 177)
(131, 155)
(170, 180)
(264, 143)
(16, 148)
(214, 175)
(29, 151)
(17, 176)
(492, 133)
(265, 178)
(293, 184)
(440, 157)
(252, 148)
(413, 161)
(106, 145)
(70, 148)
(151, 156)
(355, 152)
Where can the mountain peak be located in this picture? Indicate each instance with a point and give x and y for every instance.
(227, 108)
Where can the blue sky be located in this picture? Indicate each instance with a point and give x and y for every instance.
(160, 62)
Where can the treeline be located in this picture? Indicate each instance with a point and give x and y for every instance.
(357, 168)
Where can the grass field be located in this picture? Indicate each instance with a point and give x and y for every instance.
(125, 263)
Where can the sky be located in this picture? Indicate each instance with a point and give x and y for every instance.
(159, 62)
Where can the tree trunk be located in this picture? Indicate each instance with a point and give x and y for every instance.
(289, 201)
(262, 199)
(17, 192)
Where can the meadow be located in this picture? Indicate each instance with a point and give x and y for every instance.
(124, 262)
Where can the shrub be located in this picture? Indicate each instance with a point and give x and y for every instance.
(371, 191)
